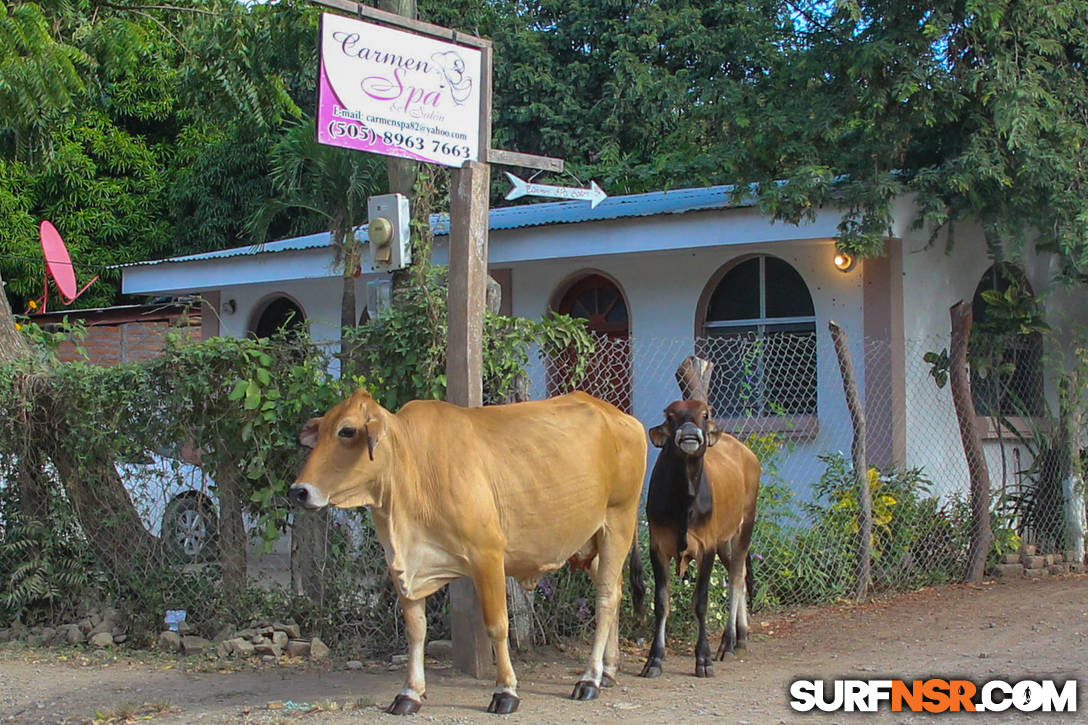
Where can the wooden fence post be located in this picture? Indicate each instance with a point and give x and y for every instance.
(857, 454)
(960, 384)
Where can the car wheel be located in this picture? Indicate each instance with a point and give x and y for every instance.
(190, 528)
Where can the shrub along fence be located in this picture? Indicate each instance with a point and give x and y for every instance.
(841, 520)
(148, 486)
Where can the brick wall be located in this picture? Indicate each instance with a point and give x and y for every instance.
(123, 334)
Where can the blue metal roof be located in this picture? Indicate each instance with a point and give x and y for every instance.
(677, 201)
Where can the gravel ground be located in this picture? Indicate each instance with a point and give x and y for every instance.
(1007, 630)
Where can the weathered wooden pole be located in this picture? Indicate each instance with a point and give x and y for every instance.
(400, 172)
(960, 384)
(466, 297)
(464, 368)
(857, 455)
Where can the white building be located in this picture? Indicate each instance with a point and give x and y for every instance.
(668, 269)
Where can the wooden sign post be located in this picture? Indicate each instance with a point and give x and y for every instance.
(464, 379)
(469, 208)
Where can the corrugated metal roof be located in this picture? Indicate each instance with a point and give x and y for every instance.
(678, 201)
(310, 241)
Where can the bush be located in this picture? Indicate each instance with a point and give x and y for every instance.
(402, 352)
(806, 553)
(240, 404)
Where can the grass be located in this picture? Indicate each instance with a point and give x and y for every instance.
(132, 712)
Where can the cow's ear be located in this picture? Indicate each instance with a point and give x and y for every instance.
(713, 432)
(308, 435)
(659, 435)
(375, 429)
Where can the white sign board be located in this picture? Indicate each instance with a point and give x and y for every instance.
(395, 93)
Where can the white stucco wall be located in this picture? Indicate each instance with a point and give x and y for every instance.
(935, 278)
(663, 290)
(319, 299)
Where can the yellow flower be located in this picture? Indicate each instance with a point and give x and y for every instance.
(33, 305)
(18, 327)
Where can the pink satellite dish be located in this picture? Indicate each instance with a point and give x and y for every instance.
(58, 265)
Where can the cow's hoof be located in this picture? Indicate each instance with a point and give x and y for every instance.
(404, 705)
(503, 703)
(723, 653)
(608, 680)
(704, 669)
(585, 690)
(651, 669)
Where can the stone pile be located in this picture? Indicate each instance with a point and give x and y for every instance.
(267, 640)
(1032, 565)
(99, 628)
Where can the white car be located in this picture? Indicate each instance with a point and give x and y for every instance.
(175, 501)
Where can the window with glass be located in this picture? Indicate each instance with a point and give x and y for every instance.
(760, 332)
(1006, 373)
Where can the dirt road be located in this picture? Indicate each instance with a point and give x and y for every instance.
(1004, 630)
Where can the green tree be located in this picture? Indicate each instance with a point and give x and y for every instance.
(38, 74)
(977, 107)
(142, 131)
(92, 100)
(633, 94)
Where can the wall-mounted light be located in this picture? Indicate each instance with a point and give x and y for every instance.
(229, 307)
(843, 262)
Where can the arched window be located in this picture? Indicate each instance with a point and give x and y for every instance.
(1007, 369)
(760, 331)
(277, 313)
(599, 301)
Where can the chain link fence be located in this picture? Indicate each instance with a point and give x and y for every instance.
(783, 395)
(154, 517)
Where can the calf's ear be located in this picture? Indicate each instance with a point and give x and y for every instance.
(659, 435)
(713, 432)
(308, 435)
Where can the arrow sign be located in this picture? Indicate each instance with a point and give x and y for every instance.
(594, 193)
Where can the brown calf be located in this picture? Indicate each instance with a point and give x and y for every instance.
(701, 503)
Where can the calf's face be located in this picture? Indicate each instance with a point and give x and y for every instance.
(689, 426)
(347, 457)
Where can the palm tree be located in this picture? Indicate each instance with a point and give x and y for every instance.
(331, 182)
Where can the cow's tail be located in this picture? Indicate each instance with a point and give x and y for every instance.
(749, 580)
(638, 587)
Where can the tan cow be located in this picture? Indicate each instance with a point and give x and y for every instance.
(511, 490)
